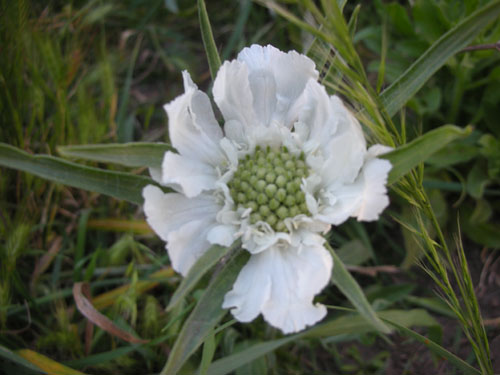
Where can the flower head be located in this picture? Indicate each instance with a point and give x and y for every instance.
(290, 162)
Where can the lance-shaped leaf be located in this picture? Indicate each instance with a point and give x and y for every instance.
(137, 154)
(198, 270)
(208, 39)
(81, 294)
(460, 364)
(408, 156)
(49, 366)
(18, 361)
(119, 185)
(344, 325)
(351, 289)
(401, 90)
(207, 313)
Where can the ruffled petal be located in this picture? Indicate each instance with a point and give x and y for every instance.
(193, 130)
(251, 289)
(187, 244)
(364, 199)
(223, 235)
(374, 198)
(182, 222)
(344, 152)
(317, 122)
(189, 176)
(281, 283)
(234, 98)
(281, 79)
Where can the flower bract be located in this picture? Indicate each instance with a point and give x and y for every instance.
(289, 162)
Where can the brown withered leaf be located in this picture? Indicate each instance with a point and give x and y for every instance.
(81, 294)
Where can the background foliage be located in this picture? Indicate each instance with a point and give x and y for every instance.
(84, 72)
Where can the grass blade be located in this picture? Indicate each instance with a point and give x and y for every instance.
(400, 91)
(435, 348)
(19, 360)
(207, 313)
(198, 270)
(343, 325)
(136, 154)
(119, 185)
(46, 364)
(408, 156)
(351, 289)
(208, 40)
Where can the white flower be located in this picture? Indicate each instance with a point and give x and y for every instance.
(290, 162)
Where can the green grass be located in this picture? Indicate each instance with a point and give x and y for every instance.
(98, 72)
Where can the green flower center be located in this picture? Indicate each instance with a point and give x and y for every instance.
(268, 182)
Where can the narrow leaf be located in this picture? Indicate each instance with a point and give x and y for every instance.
(235, 361)
(81, 294)
(435, 348)
(400, 91)
(207, 356)
(357, 324)
(408, 156)
(208, 39)
(198, 270)
(340, 326)
(19, 360)
(137, 154)
(120, 225)
(119, 185)
(351, 289)
(46, 364)
(207, 313)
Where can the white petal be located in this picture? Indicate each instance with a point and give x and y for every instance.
(377, 150)
(182, 222)
(186, 175)
(233, 96)
(193, 130)
(166, 212)
(251, 289)
(281, 282)
(346, 150)
(155, 174)
(317, 115)
(290, 71)
(375, 198)
(364, 199)
(263, 88)
(187, 244)
(223, 235)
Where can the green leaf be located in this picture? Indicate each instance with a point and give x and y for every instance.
(207, 313)
(351, 289)
(396, 95)
(340, 326)
(198, 270)
(46, 364)
(208, 40)
(234, 361)
(136, 154)
(354, 253)
(408, 156)
(17, 359)
(350, 324)
(207, 356)
(435, 348)
(119, 185)
(433, 304)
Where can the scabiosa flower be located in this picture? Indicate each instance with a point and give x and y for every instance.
(290, 162)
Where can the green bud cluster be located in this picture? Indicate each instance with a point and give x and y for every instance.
(268, 182)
